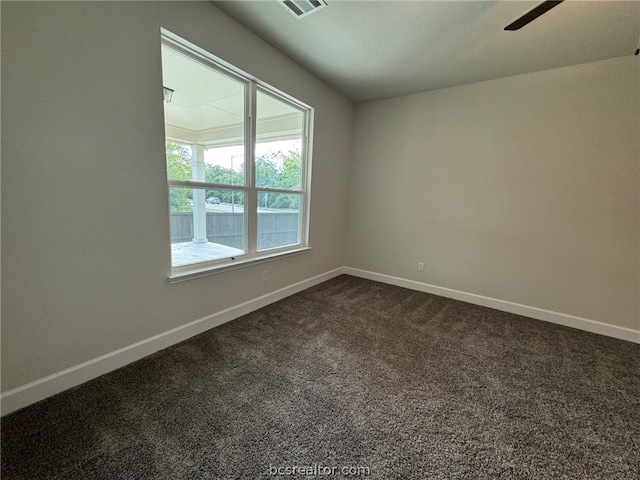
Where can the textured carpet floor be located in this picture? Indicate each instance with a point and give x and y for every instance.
(350, 373)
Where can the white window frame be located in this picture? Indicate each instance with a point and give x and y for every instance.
(252, 86)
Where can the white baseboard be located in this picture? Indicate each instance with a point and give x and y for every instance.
(592, 326)
(40, 389)
(25, 395)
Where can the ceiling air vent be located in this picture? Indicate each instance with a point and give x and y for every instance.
(302, 8)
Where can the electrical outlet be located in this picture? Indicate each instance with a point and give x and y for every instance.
(265, 275)
(421, 266)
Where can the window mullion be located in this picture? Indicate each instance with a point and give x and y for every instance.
(251, 207)
(207, 185)
(279, 190)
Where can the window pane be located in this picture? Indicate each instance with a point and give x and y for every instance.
(206, 109)
(279, 134)
(206, 224)
(225, 165)
(224, 183)
(278, 220)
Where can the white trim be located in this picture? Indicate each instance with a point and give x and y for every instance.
(42, 388)
(580, 323)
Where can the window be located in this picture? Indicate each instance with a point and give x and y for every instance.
(238, 167)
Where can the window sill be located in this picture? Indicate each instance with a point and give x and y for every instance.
(204, 271)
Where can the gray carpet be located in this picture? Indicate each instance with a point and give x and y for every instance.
(350, 373)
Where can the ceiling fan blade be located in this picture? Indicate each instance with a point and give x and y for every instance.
(528, 17)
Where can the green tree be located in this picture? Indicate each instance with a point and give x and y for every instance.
(275, 170)
(279, 170)
(179, 168)
(218, 174)
(267, 173)
(290, 177)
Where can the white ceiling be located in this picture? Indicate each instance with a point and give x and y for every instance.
(370, 50)
(208, 106)
(202, 98)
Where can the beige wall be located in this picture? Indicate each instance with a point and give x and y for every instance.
(85, 230)
(524, 189)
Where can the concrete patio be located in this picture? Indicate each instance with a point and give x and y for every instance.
(186, 253)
